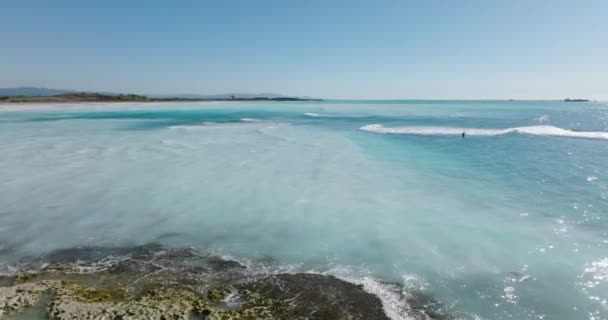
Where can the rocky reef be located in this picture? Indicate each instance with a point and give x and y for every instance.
(151, 282)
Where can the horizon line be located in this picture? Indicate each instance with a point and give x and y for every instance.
(303, 96)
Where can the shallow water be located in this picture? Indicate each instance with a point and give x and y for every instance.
(508, 223)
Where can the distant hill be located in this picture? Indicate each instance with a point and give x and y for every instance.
(75, 97)
(32, 92)
(37, 96)
(43, 92)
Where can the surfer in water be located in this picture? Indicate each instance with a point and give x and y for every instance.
(463, 134)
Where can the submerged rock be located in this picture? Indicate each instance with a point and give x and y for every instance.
(288, 296)
(76, 301)
(152, 282)
(424, 307)
(217, 263)
(20, 296)
(313, 296)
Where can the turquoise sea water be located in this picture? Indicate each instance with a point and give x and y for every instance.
(510, 222)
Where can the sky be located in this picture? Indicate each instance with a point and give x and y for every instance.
(334, 49)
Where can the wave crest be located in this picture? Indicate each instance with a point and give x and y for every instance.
(313, 114)
(532, 130)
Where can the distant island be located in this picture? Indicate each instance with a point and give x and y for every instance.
(98, 97)
(576, 100)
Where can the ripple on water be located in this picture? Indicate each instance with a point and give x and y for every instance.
(594, 284)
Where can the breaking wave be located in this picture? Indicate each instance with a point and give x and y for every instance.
(219, 125)
(195, 126)
(312, 114)
(391, 295)
(532, 130)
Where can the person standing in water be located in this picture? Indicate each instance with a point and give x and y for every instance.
(463, 134)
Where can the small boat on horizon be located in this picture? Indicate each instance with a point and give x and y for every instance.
(576, 100)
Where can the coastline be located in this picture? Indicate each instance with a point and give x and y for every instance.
(24, 106)
(40, 105)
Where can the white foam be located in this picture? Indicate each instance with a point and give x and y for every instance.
(312, 114)
(215, 125)
(509, 295)
(218, 125)
(392, 296)
(195, 126)
(543, 118)
(393, 302)
(532, 130)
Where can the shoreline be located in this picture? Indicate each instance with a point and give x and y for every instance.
(23, 106)
(41, 105)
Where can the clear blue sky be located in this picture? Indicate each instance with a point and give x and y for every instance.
(323, 48)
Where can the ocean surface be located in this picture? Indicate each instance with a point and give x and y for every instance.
(509, 222)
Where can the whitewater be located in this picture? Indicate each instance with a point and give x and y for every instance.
(509, 223)
(533, 130)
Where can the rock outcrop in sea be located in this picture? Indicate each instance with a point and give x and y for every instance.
(152, 282)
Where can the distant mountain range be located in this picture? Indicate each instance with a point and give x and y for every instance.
(32, 91)
(42, 92)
